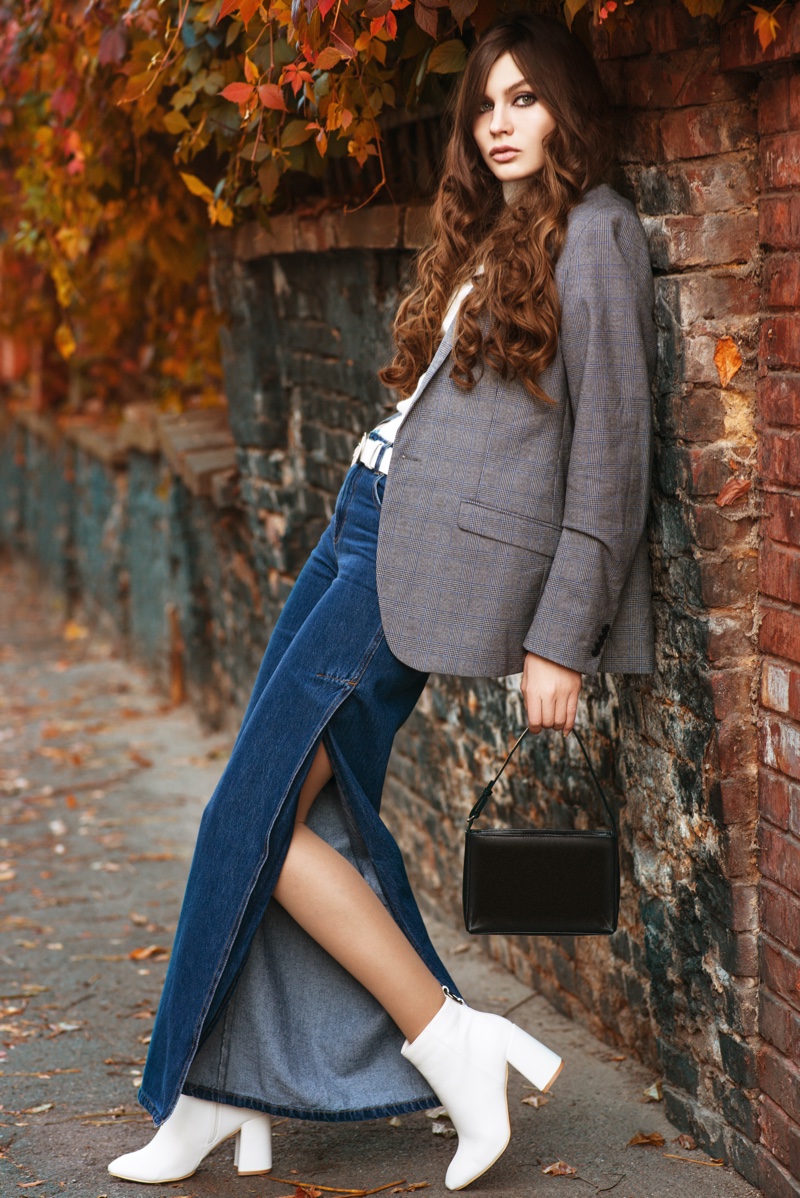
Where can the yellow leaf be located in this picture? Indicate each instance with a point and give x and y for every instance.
(197, 187)
(65, 342)
(765, 25)
(448, 57)
(727, 359)
(176, 122)
(571, 9)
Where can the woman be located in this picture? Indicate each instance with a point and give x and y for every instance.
(508, 534)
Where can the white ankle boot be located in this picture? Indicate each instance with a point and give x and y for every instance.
(464, 1056)
(192, 1130)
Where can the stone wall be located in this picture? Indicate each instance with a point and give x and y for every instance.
(198, 554)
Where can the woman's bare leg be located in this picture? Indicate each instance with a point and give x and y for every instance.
(331, 901)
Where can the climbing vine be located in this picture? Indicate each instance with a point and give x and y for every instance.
(131, 127)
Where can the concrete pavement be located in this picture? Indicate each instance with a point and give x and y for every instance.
(102, 785)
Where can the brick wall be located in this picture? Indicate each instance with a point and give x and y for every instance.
(778, 391)
(701, 978)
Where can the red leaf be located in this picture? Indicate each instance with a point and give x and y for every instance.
(734, 489)
(239, 93)
(271, 96)
(425, 17)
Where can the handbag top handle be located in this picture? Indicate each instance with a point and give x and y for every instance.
(482, 801)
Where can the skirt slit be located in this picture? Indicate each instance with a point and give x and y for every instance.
(254, 1012)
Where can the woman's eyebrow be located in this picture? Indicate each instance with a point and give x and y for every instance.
(507, 91)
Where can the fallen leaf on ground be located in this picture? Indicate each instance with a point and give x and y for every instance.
(536, 1100)
(73, 631)
(37, 1110)
(650, 1137)
(560, 1169)
(153, 952)
(684, 1140)
(653, 1093)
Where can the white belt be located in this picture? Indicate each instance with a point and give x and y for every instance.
(369, 452)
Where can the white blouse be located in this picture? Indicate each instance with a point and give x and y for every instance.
(386, 429)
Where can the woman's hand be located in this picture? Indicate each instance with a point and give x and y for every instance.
(550, 693)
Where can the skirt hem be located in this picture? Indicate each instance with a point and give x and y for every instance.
(319, 1116)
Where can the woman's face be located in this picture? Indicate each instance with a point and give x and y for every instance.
(511, 115)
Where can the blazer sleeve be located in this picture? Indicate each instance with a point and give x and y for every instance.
(609, 345)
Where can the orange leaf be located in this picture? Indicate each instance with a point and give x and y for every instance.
(727, 359)
(271, 96)
(650, 1137)
(239, 93)
(734, 489)
(146, 954)
(765, 25)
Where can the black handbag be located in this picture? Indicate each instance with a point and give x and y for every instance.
(539, 882)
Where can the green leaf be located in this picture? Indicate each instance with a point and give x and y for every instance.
(295, 133)
(448, 57)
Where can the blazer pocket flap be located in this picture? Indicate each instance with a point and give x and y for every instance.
(510, 527)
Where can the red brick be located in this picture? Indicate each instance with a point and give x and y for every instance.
(779, 1133)
(639, 137)
(729, 639)
(781, 282)
(698, 416)
(717, 528)
(779, 458)
(728, 583)
(704, 296)
(776, 794)
(794, 97)
(779, 1024)
(617, 38)
(717, 185)
(738, 800)
(780, 1079)
(708, 129)
(741, 48)
(708, 468)
(731, 690)
(773, 103)
(738, 852)
(775, 686)
(779, 572)
(779, 341)
(779, 633)
(670, 27)
(772, 1179)
(780, 971)
(712, 240)
(738, 744)
(779, 222)
(780, 915)
(676, 80)
(779, 161)
(744, 907)
(781, 746)
(781, 515)
(778, 399)
(779, 859)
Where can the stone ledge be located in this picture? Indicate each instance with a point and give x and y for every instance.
(197, 444)
(383, 227)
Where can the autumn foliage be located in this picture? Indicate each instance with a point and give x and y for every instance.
(129, 129)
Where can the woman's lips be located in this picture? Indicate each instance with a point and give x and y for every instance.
(504, 155)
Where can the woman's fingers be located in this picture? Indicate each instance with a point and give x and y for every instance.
(550, 693)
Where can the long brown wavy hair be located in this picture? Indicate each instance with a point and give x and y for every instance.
(518, 242)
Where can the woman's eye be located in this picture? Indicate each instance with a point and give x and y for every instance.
(485, 105)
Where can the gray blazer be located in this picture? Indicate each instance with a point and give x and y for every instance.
(511, 524)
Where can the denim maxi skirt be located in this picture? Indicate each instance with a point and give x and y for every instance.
(253, 1011)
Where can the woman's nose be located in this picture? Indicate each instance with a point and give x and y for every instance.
(501, 119)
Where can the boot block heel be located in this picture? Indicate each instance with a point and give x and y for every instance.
(253, 1151)
(533, 1059)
